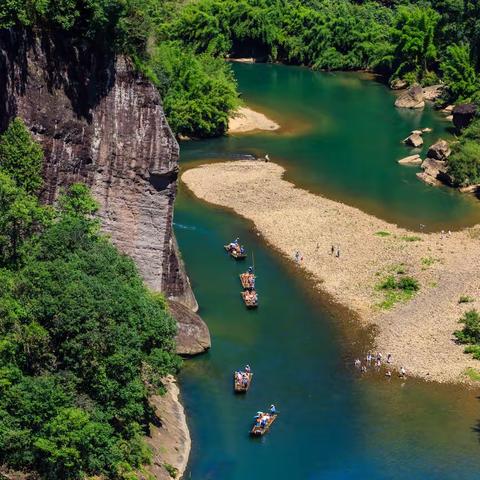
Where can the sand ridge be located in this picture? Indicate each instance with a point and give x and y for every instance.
(419, 332)
(247, 120)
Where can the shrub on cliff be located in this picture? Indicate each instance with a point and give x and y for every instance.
(21, 157)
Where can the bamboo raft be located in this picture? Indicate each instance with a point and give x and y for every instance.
(247, 280)
(236, 254)
(250, 298)
(239, 386)
(257, 430)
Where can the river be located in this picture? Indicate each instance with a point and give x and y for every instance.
(341, 138)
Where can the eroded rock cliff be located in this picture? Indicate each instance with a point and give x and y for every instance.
(102, 124)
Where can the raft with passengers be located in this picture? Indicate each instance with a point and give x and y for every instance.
(236, 250)
(242, 380)
(250, 298)
(247, 279)
(263, 422)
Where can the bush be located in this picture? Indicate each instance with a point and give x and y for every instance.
(471, 330)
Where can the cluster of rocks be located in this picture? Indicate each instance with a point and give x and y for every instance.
(415, 96)
(415, 139)
(435, 167)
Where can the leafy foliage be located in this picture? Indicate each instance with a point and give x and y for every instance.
(198, 91)
(21, 157)
(470, 333)
(82, 341)
(459, 73)
(464, 162)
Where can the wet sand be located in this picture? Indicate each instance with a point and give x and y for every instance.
(247, 120)
(418, 332)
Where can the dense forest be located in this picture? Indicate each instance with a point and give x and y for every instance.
(179, 44)
(82, 341)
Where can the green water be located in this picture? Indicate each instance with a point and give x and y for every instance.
(333, 423)
(342, 138)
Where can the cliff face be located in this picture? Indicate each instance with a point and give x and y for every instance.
(100, 123)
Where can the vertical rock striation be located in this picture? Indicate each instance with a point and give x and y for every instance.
(102, 124)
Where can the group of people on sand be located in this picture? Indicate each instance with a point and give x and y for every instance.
(262, 418)
(235, 246)
(376, 361)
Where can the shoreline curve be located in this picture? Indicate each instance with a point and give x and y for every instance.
(419, 332)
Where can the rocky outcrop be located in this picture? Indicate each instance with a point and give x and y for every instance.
(100, 123)
(411, 160)
(414, 140)
(169, 437)
(398, 84)
(193, 336)
(435, 172)
(440, 150)
(433, 92)
(464, 114)
(412, 98)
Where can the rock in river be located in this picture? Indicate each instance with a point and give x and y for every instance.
(440, 150)
(193, 336)
(463, 114)
(411, 160)
(414, 140)
(412, 98)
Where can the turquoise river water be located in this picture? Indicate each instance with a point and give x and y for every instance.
(340, 137)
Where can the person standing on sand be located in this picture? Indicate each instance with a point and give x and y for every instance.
(389, 358)
(332, 250)
(403, 372)
(297, 256)
(267, 158)
(338, 253)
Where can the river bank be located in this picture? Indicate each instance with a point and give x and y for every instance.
(418, 333)
(169, 437)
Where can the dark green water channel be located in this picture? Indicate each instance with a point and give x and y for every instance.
(333, 424)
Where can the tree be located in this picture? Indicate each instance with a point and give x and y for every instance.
(414, 39)
(21, 157)
(459, 73)
(20, 216)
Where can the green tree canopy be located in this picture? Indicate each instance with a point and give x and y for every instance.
(21, 157)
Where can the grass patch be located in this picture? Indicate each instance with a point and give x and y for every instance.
(399, 269)
(382, 234)
(396, 289)
(465, 299)
(472, 374)
(428, 261)
(411, 238)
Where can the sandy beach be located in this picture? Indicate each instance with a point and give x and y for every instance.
(247, 120)
(417, 332)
